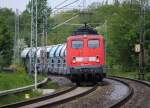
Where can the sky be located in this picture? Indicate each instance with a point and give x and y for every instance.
(21, 4)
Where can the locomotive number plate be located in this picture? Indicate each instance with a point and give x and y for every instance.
(85, 59)
(92, 58)
(79, 59)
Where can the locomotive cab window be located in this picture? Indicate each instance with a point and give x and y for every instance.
(93, 43)
(77, 44)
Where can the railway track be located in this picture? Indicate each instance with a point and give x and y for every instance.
(66, 97)
(132, 98)
(139, 97)
(97, 99)
(78, 92)
(35, 100)
(126, 97)
(54, 99)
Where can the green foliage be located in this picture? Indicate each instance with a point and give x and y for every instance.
(118, 22)
(21, 96)
(16, 79)
(25, 26)
(18, 68)
(121, 33)
(133, 74)
(60, 34)
(18, 97)
(6, 36)
(50, 85)
(120, 25)
(43, 12)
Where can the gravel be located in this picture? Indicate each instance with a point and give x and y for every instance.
(75, 92)
(141, 97)
(103, 97)
(109, 94)
(62, 81)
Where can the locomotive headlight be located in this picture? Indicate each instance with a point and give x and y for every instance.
(97, 59)
(74, 60)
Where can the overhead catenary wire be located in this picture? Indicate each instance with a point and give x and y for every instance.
(59, 8)
(84, 1)
(60, 4)
(65, 22)
(81, 24)
(73, 24)
(63, 8)
(65, 5)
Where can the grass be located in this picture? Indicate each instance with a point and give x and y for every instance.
(133, 75)
(15, 80)
(21, 96)
(18, 97)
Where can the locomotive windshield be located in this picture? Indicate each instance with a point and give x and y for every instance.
(85, 31)
(77, 44)
(93, 43)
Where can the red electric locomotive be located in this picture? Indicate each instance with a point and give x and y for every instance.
(85, 56)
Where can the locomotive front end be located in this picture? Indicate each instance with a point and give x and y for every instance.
(86, 58)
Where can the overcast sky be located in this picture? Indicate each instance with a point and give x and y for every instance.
(21, 4)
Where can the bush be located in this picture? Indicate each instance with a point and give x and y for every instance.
(18, 68)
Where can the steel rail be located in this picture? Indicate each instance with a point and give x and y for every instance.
(131, 90)
(70, 98)
(115, 105)
(126, 98)
(139, 81)
(52, 96)
(38, 99)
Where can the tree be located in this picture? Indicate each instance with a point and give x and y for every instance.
(6, 36)
(25, 26)
(43, 12)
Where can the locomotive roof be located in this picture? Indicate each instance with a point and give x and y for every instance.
(87, 37)
(85, 30)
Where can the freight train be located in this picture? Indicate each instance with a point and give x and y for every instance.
(81, 59)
